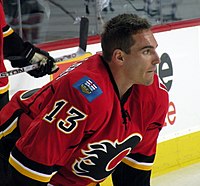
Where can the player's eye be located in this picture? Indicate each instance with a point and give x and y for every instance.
(147, 52)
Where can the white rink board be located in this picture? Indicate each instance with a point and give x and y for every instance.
(183, 46)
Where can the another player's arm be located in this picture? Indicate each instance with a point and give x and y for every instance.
(22, 54)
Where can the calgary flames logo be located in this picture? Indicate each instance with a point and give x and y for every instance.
(102, 157)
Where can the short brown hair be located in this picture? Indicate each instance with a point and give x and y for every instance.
(118, 33)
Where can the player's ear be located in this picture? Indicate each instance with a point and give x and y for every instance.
(118, 57)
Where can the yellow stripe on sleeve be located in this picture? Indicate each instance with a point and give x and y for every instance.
(28, 172)
(8, 130)
(137, 165)
(8, 32)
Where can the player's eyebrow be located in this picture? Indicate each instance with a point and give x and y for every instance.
(148, 46)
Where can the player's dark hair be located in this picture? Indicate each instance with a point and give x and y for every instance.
(118, 33)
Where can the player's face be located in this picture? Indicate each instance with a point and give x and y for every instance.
(140, 64)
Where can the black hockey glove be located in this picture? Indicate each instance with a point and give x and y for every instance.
(31, 55)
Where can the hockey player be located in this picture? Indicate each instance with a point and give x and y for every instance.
(20, 54)
(99, 117)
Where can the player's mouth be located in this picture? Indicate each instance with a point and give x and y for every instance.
(151, 70)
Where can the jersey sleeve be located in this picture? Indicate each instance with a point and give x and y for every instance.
(16, 179)
(13, 43)
(9, 128)
(125, 175)
(54, 133)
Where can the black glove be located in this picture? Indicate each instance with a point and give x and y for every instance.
(31, 55)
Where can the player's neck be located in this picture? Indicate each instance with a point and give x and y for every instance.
(123, 88)
(123, 84)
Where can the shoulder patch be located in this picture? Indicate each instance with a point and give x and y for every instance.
(88, 88)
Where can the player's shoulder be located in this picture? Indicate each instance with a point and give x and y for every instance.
(79, 68)
(87, 81)
(92, 94)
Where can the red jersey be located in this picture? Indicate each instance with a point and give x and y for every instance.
(78, 130)
(5, 30)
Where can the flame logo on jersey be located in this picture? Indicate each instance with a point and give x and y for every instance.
(102, 157)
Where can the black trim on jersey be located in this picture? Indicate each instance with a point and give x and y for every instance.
(4, 97)
(34, 165)
(18, 179)
(125, 113)
(111, 77)
(125, 175)
(13, 44)
(124, 98)
(16, 114)
(6, 28)
(7, 142)
(142, 158)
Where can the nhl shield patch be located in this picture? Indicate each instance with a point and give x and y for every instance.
(88, 88)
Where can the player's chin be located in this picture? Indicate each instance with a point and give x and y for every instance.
(149, 80)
